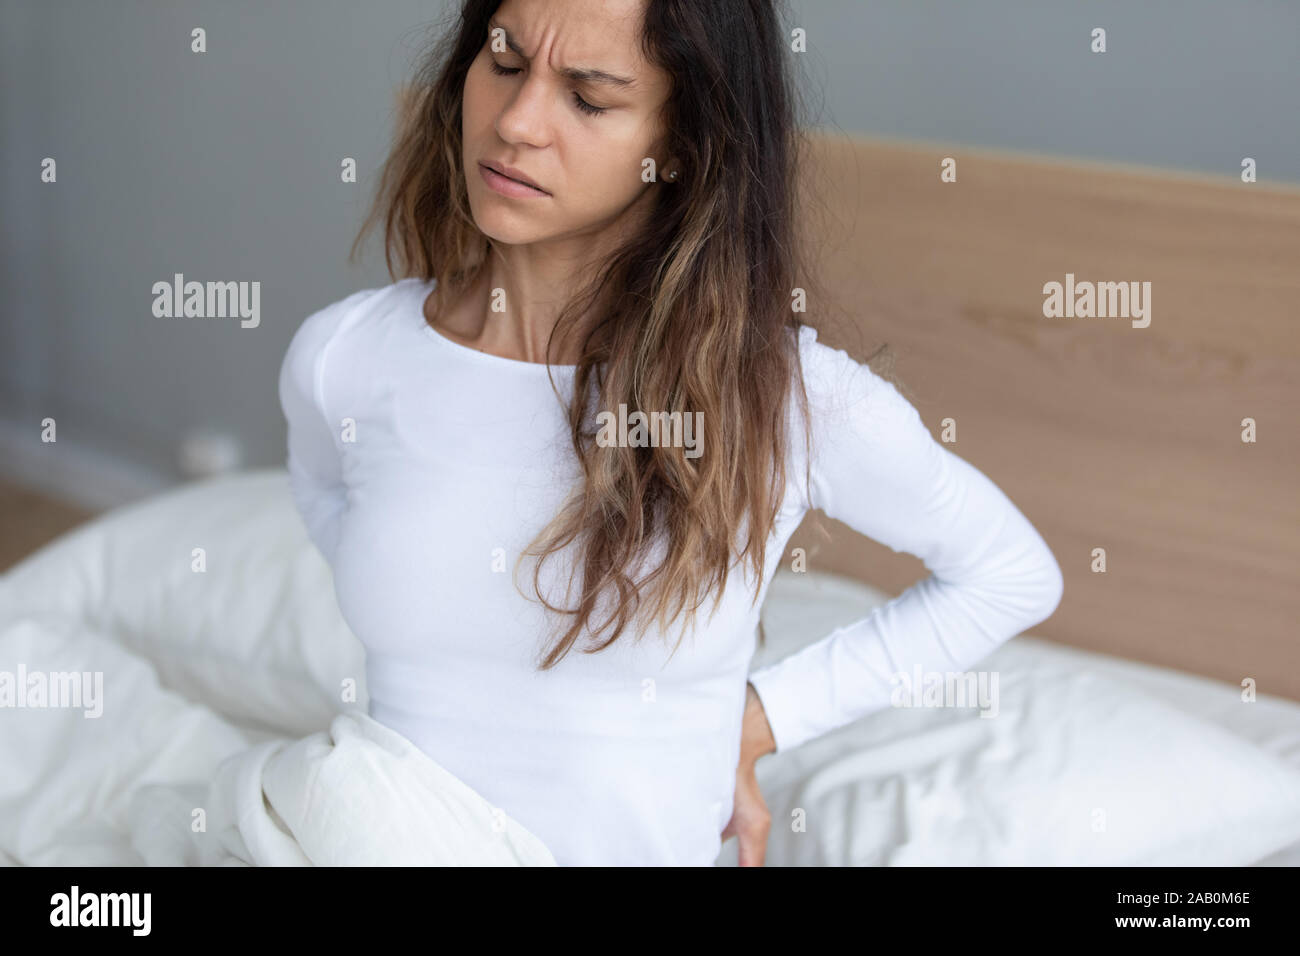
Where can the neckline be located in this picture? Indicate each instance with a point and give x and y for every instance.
(423, 287)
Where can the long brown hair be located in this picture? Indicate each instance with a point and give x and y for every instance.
(699, 313)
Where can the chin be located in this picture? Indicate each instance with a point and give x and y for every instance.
(497, 223)
(503, 232)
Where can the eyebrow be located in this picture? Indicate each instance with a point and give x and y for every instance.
(574, 73)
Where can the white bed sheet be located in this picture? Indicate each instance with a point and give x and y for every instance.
(800, 608)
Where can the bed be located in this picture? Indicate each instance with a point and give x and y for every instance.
(1092, 760)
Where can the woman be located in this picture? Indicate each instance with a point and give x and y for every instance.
(595, 198)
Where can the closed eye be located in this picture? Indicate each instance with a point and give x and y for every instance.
(579, 102)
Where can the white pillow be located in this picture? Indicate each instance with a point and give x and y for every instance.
(257, 635)
(1077, 769)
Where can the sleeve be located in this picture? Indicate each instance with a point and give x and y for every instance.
(313, 454)
(876, 467)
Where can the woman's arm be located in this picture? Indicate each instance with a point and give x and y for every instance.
(876, 467)
(313, 459)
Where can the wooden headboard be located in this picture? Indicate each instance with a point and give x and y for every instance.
(1105, 435)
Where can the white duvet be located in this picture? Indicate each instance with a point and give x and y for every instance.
(155, 779)
(355, 795)
(231, 729)
(192, 742)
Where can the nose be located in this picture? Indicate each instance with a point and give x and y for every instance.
(525, 117)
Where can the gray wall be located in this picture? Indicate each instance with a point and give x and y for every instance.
(1185, 84)
(225, 166)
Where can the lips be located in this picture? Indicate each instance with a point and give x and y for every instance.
(511, 173)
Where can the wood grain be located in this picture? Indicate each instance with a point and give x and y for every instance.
(1105, 435)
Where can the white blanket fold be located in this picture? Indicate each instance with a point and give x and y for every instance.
(149, 776)
(358, 794)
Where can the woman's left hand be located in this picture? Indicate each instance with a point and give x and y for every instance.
(751, 821)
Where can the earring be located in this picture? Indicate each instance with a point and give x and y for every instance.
(673, 174)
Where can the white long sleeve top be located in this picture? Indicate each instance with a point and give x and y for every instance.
(422, 467)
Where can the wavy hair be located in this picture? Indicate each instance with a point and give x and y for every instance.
(695, 310)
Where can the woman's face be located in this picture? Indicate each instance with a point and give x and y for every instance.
(533, 113)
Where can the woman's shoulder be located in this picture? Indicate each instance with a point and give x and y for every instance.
(346, 315)
(315, 335)
(329, 320)
(864, 435)
(837, 384)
